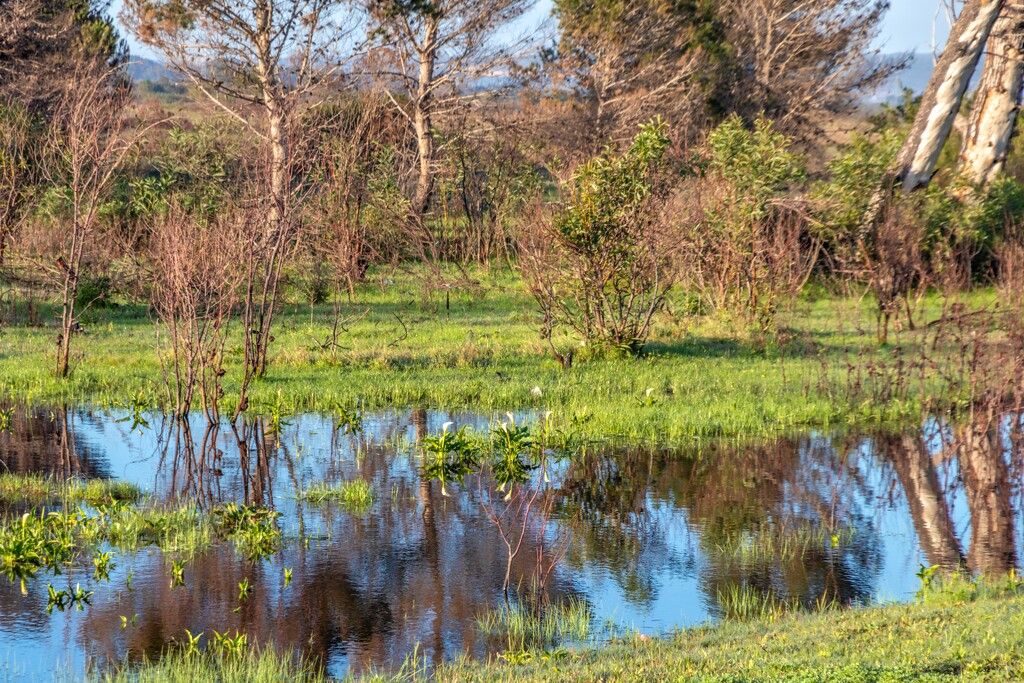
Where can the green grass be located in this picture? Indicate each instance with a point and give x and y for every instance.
(483, 352)
(356, 495)
(44, 540)
(978, 641)
(181, 666)
(950, 638)
(767, 543)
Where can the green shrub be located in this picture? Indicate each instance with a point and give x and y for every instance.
(600, 266)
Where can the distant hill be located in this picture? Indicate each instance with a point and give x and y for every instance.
(145, 69)
(915, 77)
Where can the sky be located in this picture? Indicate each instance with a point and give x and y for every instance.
(908, 27)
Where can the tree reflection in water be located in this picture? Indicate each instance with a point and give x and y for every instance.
(798, 519)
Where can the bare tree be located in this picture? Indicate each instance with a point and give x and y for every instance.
(16, 169)
(197, 276)
(261, 62)
(997, 101)
(941, 101)
(86, 147)
(797, 59)
(629, 61)
(433, 52)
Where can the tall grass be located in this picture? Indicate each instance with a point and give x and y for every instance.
(956, 642)
(525, 629)
(740, 602)
(770, 543)
(264, 665)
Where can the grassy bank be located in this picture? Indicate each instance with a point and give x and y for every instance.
(478, 348)
(943, 640)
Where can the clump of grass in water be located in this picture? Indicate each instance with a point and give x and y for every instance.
(769, 543)
(38, 489)
(183, 531)
(253, 529)
(356, 495)
(526, 630)
(744, 603)
(37, 542)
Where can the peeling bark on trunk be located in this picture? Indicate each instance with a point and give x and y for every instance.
(997, 103)
(278, 164)
(422, 121)
(941, 101)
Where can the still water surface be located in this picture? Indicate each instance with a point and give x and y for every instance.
(655, 537)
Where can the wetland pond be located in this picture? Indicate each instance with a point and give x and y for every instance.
(648, 539)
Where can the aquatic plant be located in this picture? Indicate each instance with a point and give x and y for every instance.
(244, 589)
(138, 405)
(513, 461)
(741, 602)
(450, 456)
(191, 645)
(769, 542)
(103, 564)
(349, 419)
(229, 646)
(38, 490)
(177, 574)
(36, 542)
(253, 529)
(60, 600)
(275, 415)
(188, 664)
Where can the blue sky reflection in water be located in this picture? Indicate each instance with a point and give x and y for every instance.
(657, 535)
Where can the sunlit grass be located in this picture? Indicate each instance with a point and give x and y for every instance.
(251, 666)
(483, 353)
(952, 641)
(769, 543)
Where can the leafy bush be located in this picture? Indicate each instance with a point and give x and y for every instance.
(744, 246)
(94, 292)
(600, 265)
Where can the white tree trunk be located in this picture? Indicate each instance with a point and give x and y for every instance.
(422, 113)
(941, 101)
(997, 103)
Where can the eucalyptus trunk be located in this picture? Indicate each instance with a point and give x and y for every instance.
(422, 120)
(941, 101)
(997, 102)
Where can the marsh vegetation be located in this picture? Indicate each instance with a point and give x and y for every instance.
(395, 340)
